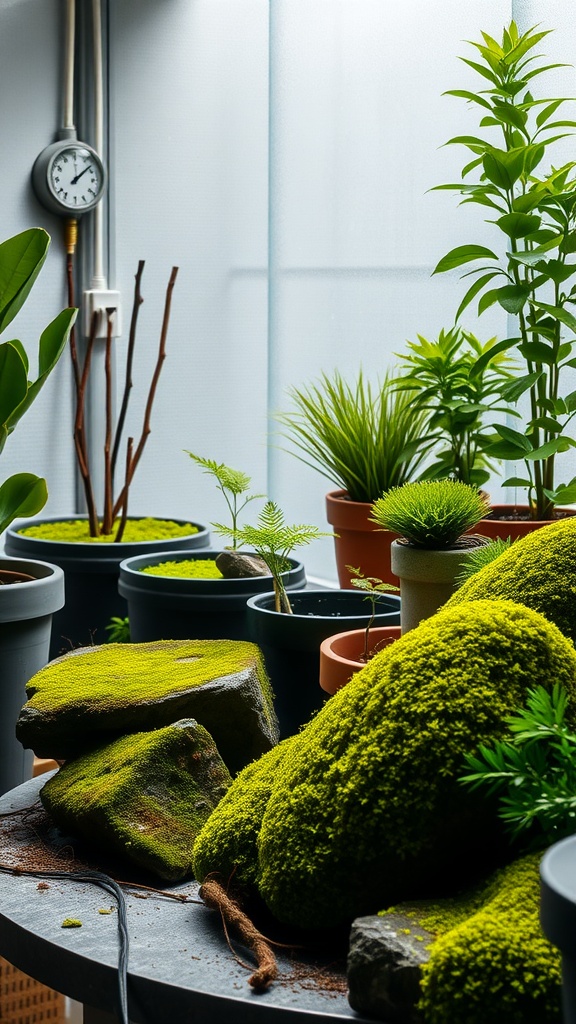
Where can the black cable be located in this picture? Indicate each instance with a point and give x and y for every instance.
(111, 887)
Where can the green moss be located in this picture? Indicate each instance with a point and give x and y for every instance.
(76, 531)
(365, 807)
(71, 922)
(146, 796)
(232, 837)
(538, 571)
(195, 568)
(491, 961)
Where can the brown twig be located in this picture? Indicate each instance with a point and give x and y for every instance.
(138, 300)
(125, 492)
(216, 898)
(153, 385)
(80, 428)
(108, 522)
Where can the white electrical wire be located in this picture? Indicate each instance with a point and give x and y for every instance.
(70, 32)
(98, 277)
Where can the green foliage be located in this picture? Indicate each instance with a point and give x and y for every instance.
(456, 381)
(430, 514)
(532, 276)
(481, 556)
(118, 630)
(363, 439)
(534, 772)
(538, 571)
(232, 483)
(273, 540)
(490, 961)
(77, 531)
(364, 806)
(21, 260)
(374, 588)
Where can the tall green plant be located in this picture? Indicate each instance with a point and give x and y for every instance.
(364, 439)
(21, 260)
(531, 275)
(456, 380)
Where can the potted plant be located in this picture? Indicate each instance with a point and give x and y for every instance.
(531, 276)
(202, 595)
(30, 591)
(345, 653)
(432, 518)
(90, 548)
(365, 439)
(289, 628)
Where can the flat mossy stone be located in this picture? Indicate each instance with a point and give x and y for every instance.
(538, 571)
(365, 807)
(94, 694)
(490, 960)
(144, 796)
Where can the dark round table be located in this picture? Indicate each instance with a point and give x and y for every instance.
(180, 968)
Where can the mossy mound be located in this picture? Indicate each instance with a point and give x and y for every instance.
(146, 796)
(190, 568)
(365, 807)
(490, 961)
(94, 694)
(538, 571)
(77, 531)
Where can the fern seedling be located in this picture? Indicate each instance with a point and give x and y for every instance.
(374, 589)
(233, 484)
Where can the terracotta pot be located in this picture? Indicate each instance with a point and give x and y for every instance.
(340, 654)
(358, 542)
(512, 527)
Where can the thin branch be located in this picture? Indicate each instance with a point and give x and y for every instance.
(108, 521)
(80, 429)
(125, 492)
(138, 300)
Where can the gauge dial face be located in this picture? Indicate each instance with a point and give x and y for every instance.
(75, 177)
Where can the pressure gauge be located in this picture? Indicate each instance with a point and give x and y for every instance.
(69, 178)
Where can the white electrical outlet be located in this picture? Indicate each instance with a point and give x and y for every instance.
(102, 299)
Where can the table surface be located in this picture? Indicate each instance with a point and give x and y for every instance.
(180, 967)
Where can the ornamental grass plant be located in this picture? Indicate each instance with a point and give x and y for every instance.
(364, 438)
(430, 514)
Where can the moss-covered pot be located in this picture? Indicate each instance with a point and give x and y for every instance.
(291, 643)
(188, 608)
(91, 574)
(26, 611)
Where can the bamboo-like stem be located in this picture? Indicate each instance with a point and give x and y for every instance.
(137, 302)
(108, 522)
(151, 394)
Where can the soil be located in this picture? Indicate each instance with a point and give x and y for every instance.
(7, 578)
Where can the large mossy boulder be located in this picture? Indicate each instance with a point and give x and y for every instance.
(490, 961)
(145, 796)
(365, 808)
(538, 571)
(95, 694)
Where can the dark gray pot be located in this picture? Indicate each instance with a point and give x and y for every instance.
(26, 611)
(91, 572)
(168, 608)
(558, 914)
(291, 643)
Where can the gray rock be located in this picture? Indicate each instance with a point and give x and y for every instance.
(95, 694)
(384, 963)
(237, 565)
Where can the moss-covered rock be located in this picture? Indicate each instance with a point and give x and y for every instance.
(94, 694)
(365, 806)
(538, 571)
(145, 796)
(490, 961)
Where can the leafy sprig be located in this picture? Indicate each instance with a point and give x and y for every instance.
(232, 483)
(374, 589)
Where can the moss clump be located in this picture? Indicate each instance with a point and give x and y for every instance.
(538, 571)
(146, 796)
(96, 693)
(491, 961)
(76, 531)
(365, 807)
(193, 568)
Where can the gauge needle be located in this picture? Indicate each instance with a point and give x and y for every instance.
(78, 176)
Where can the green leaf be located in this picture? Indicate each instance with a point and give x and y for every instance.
(505, 450)
(518, 225)
(562, 495)
(516, 388)
(13, 381)
(487, 300)
(537, 352)
(506, 113)
(463, 254)
(21, 496)
(547, 423)
(516, 481)
(52, 343)
(558, 313)
(558, 444)
(513, 437)
(547, 112)
(513, 297)
(471, 96)
(504, 168)
(21, 260)
(473, 291)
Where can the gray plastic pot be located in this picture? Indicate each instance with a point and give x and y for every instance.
(558, 914)
(91, 573)
(291, 643)
(184, 608)
(26, 611)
